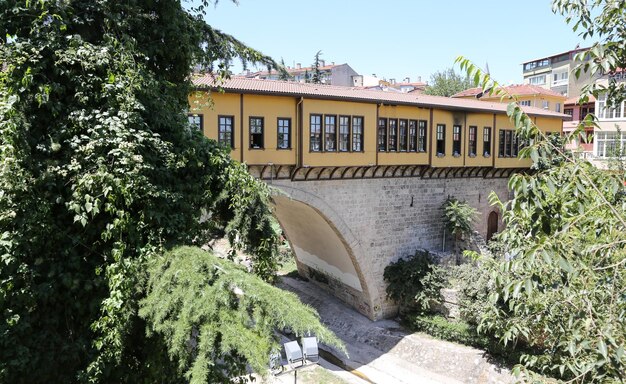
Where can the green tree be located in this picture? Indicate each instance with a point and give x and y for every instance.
(447, 83)
(559, 287)
(458, 217)
(316, 75)
(100, 173)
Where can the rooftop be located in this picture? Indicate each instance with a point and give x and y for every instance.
(575, 50)
(515, 90)
(292, 70)
(330, 92)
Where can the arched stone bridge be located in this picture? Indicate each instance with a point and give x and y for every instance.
(346, 224)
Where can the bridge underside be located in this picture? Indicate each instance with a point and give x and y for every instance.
(321, 252)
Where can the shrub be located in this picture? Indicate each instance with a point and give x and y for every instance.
(415, 283)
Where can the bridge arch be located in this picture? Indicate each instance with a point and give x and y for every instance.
(325, 248)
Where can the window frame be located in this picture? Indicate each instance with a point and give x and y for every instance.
(200, 116)
(382, 134)
(412, 135)
(422, 136)
(472, 146)
(326, 136)
(487, 140)
(392, 136)
(252, 135)
(359, 134)
(312, 134)
(346, 134)
(220, 132)
(403, 137)
(457, 148)
(278, 133)
(441, 138)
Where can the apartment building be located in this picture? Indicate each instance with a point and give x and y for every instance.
(332, 74)
(556, 73)
(609, 141)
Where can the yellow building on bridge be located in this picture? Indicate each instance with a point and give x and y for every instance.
(302, 131)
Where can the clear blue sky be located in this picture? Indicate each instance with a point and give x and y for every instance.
(400, 38)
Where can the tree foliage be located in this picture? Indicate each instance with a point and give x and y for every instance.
(447, 83)
(316, 75)
(99, 173)
(458, 216)
(230, 315)
(559, 288)
(415, 283)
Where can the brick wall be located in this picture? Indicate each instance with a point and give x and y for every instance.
(385, 219)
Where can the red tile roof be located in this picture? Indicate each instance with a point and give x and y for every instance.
(323, 91)
(574, 100)
(515, 90)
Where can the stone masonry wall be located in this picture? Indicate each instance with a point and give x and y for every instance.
(391, 218)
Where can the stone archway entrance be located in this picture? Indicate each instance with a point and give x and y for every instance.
(492, 225)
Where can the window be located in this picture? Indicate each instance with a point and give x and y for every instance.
(456, 140)
(315, 141)
(472, 140)
(514, 145)
(393, 134)
(382, 135)
(225, 131)
(441, 139)
(256, 132)
(412, 135)
(605, 111)
(357, 133)
(546, 104)
(196, 121)
(284, 133)
(402, 125)
(537, 80)
(558, 107)
(568, 111)
(486, 141)
(344, 133)
(560, 78)
(610, 144)
(421, 136)
(509, 143)
(330, 133)
(524, 103)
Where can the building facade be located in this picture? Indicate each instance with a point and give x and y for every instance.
(527, 95)
(362, 174)
(556, 73)
(318, 125)
(332, 74)
(609, 142)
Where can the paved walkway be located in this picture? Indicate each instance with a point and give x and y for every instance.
(382, 352)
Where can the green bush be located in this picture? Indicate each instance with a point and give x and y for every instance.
(472, 283)
(442, 328)
(415, 283)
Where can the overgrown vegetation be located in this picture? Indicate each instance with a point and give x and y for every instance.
(559, 286)
(100, 172)
(230, 315)
(415, 283)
